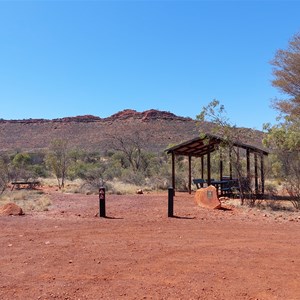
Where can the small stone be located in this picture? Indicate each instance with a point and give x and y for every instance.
(9, 245)
(47, 243)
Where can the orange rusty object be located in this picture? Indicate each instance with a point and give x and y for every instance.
(207, 197)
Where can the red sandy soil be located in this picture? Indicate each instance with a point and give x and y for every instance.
(140, 253)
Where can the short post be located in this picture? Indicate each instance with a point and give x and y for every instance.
(102, 202)
(170, 202)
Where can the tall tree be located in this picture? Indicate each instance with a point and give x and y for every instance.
(287, 78)
(284, 137)
(132, 148)
(58, 160)
(215, 113)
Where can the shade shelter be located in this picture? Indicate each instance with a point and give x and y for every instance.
(203, 146)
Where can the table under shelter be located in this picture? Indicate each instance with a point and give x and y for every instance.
(202, 147)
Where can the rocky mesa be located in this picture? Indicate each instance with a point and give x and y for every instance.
(158, 129)
(92, 133)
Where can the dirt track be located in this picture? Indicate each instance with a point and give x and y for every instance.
(139, 253)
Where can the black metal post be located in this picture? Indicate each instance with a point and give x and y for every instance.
(102, 202)
(170, 202)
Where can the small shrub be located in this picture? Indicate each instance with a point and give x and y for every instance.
(135, 178)
(271, 190)
(273, 205)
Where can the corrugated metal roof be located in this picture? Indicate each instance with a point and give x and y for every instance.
(200, 146)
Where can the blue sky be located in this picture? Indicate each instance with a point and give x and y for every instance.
(69, 58)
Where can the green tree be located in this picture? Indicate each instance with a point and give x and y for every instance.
(21, 165)
(132, 149)
(284, 137)
(287, 78)
(215, 113)
(58, 160)
(4, 172)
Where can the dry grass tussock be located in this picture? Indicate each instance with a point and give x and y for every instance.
(121, 188)
(80, 186)
(112, 187)
(28, 200)
(266, 208)
(73, 187)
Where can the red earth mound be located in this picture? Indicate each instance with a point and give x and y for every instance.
(11, 209)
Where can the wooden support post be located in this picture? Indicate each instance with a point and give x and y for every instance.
(202, 167)
(248, 166)
(221, 165)
(190, 174)
(230, 163)
(221, 170)
(262, 174)
(173, 171)
(256, 173)
(208, 167)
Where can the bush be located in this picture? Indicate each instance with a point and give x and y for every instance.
(137, 178)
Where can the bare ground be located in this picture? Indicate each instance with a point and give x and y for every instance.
(139, 253)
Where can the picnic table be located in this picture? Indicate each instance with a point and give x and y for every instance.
(224, 186)
(25, 184)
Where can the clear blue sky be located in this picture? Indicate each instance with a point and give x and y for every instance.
(69, 58)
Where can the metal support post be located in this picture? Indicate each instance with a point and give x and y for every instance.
(170, 202)
(102, 202)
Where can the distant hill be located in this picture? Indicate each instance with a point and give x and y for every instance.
(158, 129)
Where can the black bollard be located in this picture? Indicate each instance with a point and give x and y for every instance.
(102, 202)
(170, 202)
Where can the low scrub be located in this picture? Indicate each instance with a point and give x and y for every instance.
(27, 200)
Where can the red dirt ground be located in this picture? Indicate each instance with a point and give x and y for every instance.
(139, 253)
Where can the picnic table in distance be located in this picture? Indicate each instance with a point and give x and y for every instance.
(25, 184)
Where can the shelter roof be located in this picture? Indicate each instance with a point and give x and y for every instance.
(201, 145)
